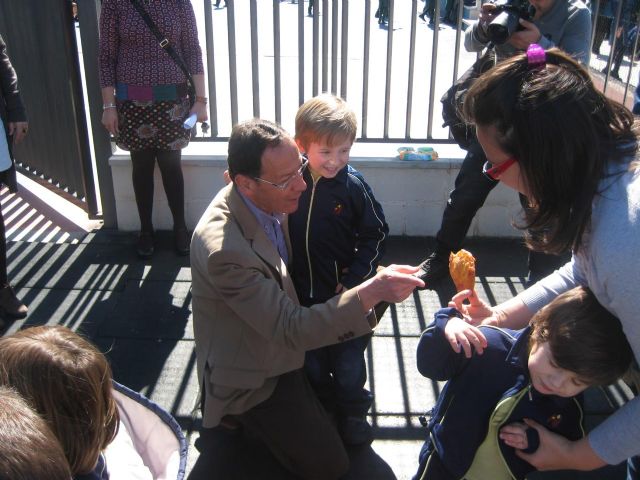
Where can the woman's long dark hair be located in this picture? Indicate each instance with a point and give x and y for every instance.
(563, 133)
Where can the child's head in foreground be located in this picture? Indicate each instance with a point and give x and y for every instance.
(29, 450)
(325, 131)
(68, 382)
(576, 343)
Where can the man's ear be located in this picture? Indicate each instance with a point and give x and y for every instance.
(245, 184)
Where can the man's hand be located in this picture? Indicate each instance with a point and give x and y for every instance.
(18, 130)
(461, 334)
(521, 39)
(487, 14)
(557, 453)
(391, 284)
(476, 312)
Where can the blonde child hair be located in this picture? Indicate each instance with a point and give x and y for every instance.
(30, 451)
(68, 382)
(325, 118)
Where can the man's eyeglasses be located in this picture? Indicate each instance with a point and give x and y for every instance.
(494, 172)
(287, 182)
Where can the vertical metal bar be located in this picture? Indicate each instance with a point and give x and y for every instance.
(334, 47)
(325, 45)
(456, 59)
(345, 48)
(276, 60)
(365, 66)
(434, 63)
(387, 90)
(211, 69)
(316, 47)
(300, 52)
(594, 25)
(412, 56)
(612, 52)
(233, 75)
(255, 72)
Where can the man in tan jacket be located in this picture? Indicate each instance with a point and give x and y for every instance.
(250, 331)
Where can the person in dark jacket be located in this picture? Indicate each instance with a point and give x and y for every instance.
(15, 126)
(338, 237)
(503, 382)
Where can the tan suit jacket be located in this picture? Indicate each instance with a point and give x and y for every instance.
(249, 327)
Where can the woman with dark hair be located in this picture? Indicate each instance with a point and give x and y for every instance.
(551, 135)
(14, 128)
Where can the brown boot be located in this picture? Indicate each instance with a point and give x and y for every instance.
(10, 305)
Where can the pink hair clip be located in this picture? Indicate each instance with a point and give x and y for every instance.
(536, 56)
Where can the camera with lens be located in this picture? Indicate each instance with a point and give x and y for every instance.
(507, 20)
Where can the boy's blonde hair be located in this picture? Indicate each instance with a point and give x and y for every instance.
(68, 381)
(325, 118)
(30, 451)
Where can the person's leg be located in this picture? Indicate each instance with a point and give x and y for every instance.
(470, 191)
(143, 163)
(173, 181)
(294, 426)
(316, 366)
(10, 305)
(352, 399)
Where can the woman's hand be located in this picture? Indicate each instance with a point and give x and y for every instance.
(557, 453)
(461, 334)
(110, 121)
(476, 312)
(18, 130)
(200, 109)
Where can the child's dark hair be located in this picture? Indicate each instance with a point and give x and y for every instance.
(68, 382)
(583, 336)
(29, 449)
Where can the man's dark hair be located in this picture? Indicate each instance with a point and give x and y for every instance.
(584, 337)
(248, 141)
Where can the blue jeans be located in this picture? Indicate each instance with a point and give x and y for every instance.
(338, 374)
(636, 99)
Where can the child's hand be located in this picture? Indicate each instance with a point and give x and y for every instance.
(340, 288)
(460, 333)
(515, 435)
(475, 312)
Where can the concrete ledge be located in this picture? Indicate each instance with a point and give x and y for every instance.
(412, 194)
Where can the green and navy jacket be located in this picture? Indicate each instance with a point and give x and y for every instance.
(337, 235)
(484, 393)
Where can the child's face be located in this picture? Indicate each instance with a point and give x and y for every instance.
(327, 160)
(549, 379)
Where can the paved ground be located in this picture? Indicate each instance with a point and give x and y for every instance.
(139, 314)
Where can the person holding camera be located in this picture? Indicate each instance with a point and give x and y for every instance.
(565, 24)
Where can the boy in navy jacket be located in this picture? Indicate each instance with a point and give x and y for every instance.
(337, 238)
(500, 377)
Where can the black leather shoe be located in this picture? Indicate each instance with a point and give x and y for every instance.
(434, 268)
(144, 246)
(182, 241)
(421, 17)
(10, 305)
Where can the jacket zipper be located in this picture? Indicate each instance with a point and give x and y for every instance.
(306, 236)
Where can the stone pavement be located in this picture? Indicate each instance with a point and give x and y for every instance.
(139, 314)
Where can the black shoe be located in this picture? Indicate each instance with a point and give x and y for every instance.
(182, 241)
(144, 247)
(355, 431)
(421, 17)
(616, 75)
(435, 267)
(10, 305)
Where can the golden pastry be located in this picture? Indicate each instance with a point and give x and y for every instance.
(462, 267)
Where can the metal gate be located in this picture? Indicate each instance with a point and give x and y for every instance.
(41, 41)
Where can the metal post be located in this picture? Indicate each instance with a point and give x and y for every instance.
(387, 88)
(233, 58)
(276, 60)
(255, 73)
(412, 56)
(211, 69)
(345, 49)
(365, 66)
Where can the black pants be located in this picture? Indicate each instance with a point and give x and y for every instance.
(295, 427)
(470, 191)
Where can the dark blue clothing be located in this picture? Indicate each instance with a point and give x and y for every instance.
(476, 386)
(98, 473)
(338, 226)
(337, 236)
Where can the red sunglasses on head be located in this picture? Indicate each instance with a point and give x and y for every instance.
(494, 172)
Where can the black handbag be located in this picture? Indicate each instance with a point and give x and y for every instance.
(166, 46)
(453, 99)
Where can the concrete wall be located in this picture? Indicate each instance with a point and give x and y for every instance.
(412, 194)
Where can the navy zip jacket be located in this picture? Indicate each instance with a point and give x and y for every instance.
(476, 386)
(337, 235)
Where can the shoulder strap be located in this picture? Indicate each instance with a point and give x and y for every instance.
(163, 42)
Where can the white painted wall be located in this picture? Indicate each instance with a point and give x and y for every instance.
(412, 194)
